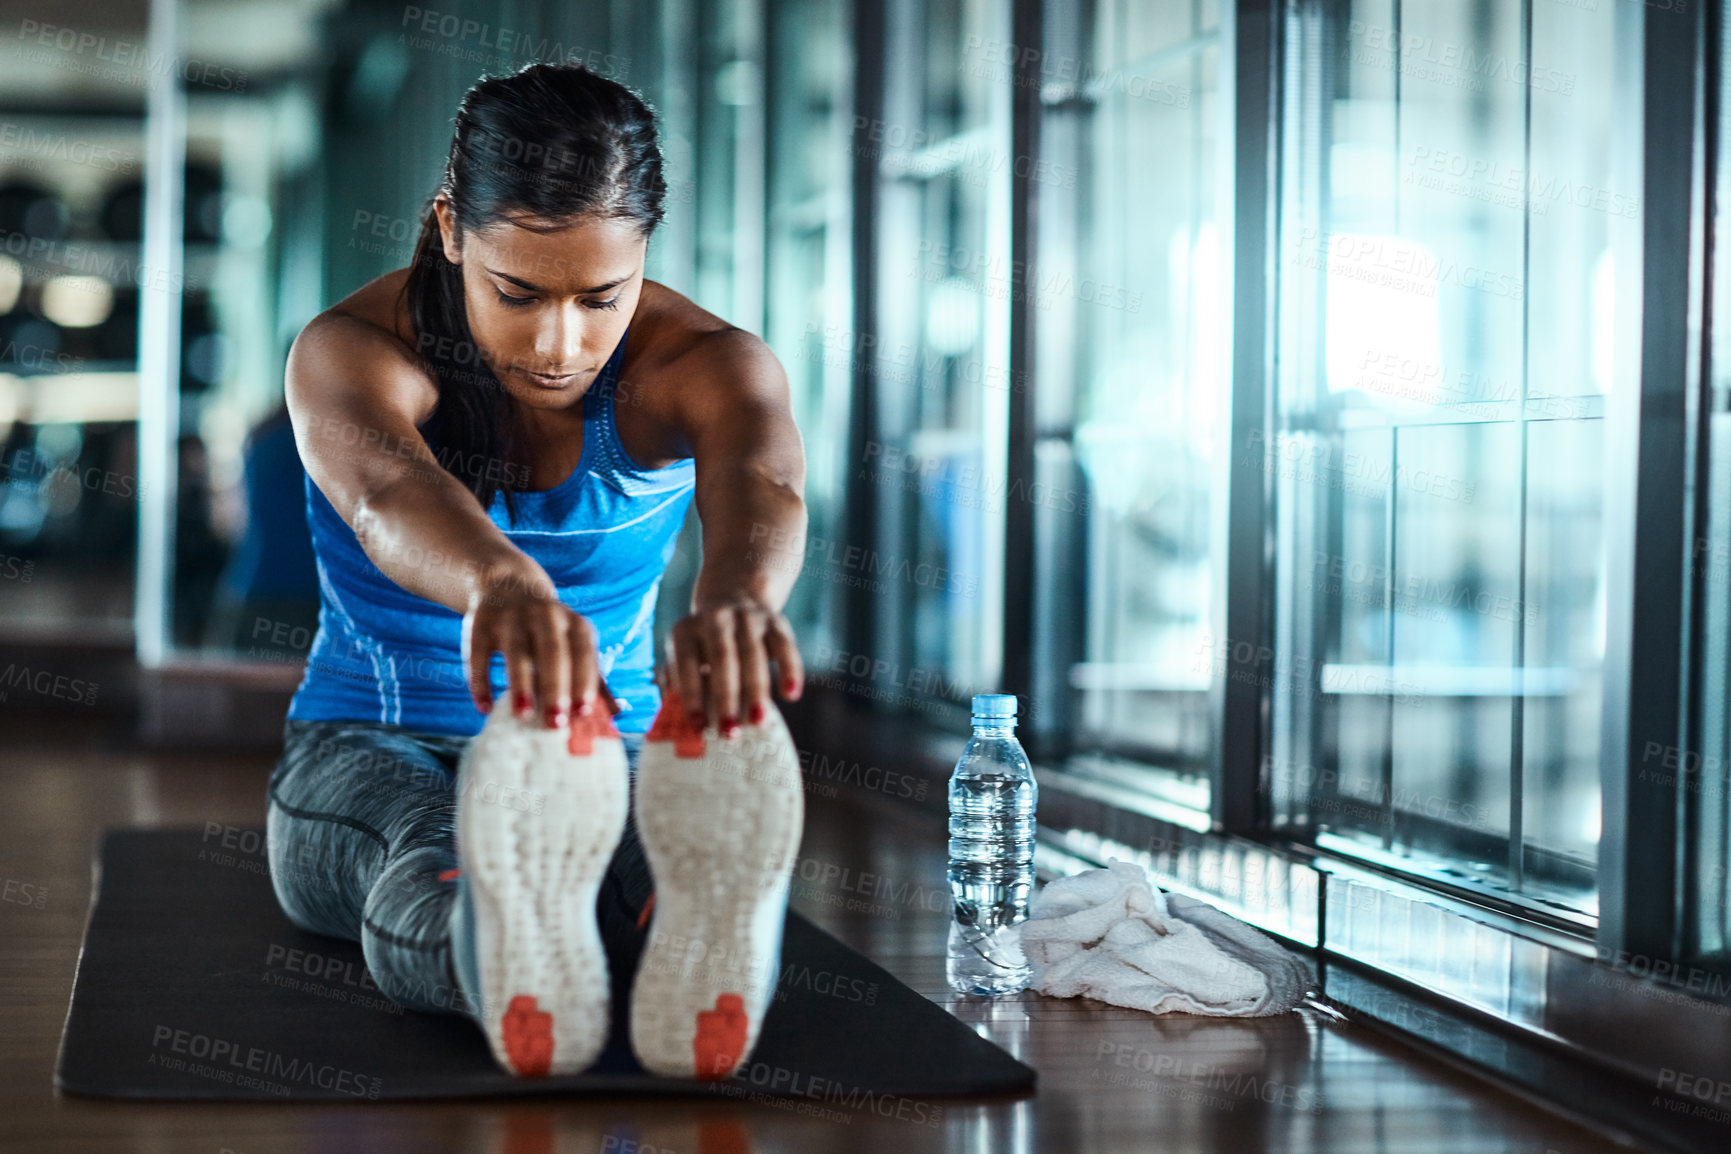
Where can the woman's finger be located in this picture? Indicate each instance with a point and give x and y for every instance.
(718, 640)
(478, 649)
(686, 655)
(519, 669)
(553, 653)
(585, 668)
(784, 649)
(753, 667)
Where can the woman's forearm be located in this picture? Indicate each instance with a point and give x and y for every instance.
(753, 544)
(429, 535)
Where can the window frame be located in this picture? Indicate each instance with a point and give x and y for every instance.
(1655, 437)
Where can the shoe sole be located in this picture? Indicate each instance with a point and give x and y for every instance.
(720, 822)
(536, 828)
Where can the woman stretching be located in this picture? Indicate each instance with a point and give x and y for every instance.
(501, 442)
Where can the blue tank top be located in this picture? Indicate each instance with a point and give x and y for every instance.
(604, 536)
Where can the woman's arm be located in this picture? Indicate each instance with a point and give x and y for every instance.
(738, 419)
(355, 395)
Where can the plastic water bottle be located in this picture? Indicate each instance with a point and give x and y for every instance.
(992, 798)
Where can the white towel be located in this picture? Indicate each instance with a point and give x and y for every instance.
(1111, 935)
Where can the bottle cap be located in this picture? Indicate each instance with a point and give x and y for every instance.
(994, 705)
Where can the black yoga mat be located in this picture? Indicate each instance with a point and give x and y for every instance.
(192, 984)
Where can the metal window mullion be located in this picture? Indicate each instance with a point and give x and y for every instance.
(1390, 562)
(1699, 406)
(1645, 512)
(862, 500)
(1240, 611)
(1518, 703)
(1017, 665)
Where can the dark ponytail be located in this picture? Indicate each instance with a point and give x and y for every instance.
(553, 143)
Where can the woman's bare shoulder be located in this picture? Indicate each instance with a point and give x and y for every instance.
(672, 328)
(360, 352)
(381, 303)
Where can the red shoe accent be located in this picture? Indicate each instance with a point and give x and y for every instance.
(643, 918)
(450, 875)
(584, 731)
(720, 1041)
(672, 724)
(528, 1037)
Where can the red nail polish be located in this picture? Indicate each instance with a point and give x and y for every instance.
(698, 721)
(729, 726)
(524, 706)
(757, 713)
(557, 718)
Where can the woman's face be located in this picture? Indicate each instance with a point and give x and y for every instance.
(547, 308)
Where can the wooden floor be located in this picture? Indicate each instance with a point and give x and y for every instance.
(1110, 1079)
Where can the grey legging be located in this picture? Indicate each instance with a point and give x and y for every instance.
(362, 840)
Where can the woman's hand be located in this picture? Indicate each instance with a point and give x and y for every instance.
(549, 648)
(718, 659)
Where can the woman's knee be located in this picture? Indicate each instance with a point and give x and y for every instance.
(306, 884)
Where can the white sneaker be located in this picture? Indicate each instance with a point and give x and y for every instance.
(539, 814)
(720, 820)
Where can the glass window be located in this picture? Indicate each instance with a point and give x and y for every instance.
(1703, 773)
(1130, 311)
(939, 358)
(1451, 242)
(808, 281)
